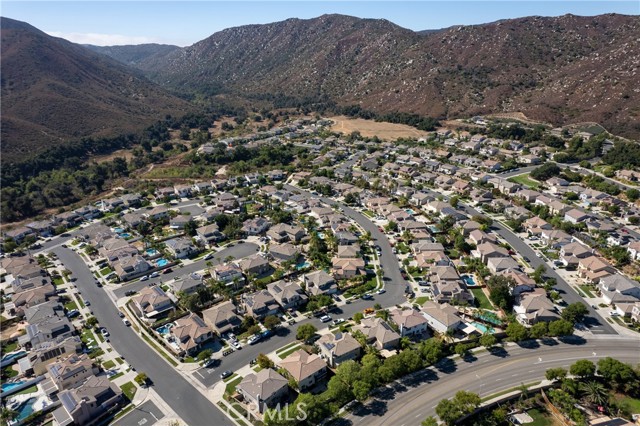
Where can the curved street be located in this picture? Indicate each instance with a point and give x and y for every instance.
(410, 400)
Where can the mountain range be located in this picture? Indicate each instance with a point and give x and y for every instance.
(561, 70)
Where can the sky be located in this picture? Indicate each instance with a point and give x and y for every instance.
(183, 23)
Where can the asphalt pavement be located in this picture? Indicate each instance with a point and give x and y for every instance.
(175, 390)
(413, 398)
(145, 414)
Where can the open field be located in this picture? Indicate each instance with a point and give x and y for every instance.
(370, 128)
(525, 180)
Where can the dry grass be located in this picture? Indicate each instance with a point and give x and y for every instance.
(370, 128)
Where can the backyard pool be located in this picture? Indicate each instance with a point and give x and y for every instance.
(118, 230)
(482, 328)
(433, 229)
(302, 265)
(468, 280)
(410, 211)
(162, 262)
(25, 409)
(165, 329)
(13, 355)
(125, 235)
(8, 386)
(151, 252)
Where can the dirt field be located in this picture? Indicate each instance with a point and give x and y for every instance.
(124, 153)
(370, 128)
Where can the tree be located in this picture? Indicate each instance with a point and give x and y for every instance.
(500, 291)
(633, 194)
(538, 274)
(306, 332)
(429, 421)
(141, 379)
(264, 361)
(7, 414)
(594, 393)
(357, 317)
(546, 171)
(361, 390)
(560, 328)
(92, 322)
(254, 329)
(462, 404)
(461, 349)
(555, 373)
(574, 312)
(432, 350)
(516, 332)
(583, 368)
(205, 354)
(391, 226)
(621, 375)
(271, 322)
(488, 340)
(538, 330)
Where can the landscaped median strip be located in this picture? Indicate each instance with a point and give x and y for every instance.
(507, 391)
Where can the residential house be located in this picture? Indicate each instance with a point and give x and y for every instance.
(263, 389)
(209, 234)
(478, 237)
(634, 250)
(378, 332)
(485, 251)
(190, 333)
(256, 226)
(593, 269)
(617, 289)
(570, 254)
(284, 252)
(71, 371)
(555, 238)
(179, 222)
(521, 282)
(288, 294)
(187, 284)
(306, 369)
(260, 304)
(229, 274)
(159, 212)
(499, 264)
(88, 402)
(130, 267)
(283, 232)
(409, 321)
(254, 264)
(152, 302)
(222, 318)
(345, 252)
(348, 268)
(43, 354)
(576, 216)
(533, 307)
(338, 348)
(182, 191)
(319, 282)
(180, 248)
(443, 318)
(447, 285)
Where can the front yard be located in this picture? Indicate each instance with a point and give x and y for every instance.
(525, 180)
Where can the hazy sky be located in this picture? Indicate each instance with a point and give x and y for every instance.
(186, 22)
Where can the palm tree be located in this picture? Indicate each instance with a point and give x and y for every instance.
(594, 393)
(7, 414)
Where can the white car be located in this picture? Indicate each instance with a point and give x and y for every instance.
(146, 277)
(325, 318)
(126, 322)
(154, 274)
(236, 345)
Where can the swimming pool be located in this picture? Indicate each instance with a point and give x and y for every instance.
(162, 262)
(302, 265)
(165, 329)
(488, 317)
(483, 328)
(13, 355)
(151, 252)
(118, 230)
(8, 386)
(410, 211)
(25, 409)
(433, 229)
(468, 280)
(125, 235)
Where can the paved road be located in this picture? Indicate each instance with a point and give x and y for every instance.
(238, 251)
(146, 414)
(181, 396)
(410, 400)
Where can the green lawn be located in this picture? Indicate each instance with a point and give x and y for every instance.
(129, 389)
(231, 386)
(9, 372)
(106, 271)
(88, 338)
(633, 403)
(30, 389)
(540, 418)
(160, 351)
(58, 281)
(10, 347)
(482, 299)
(420, 300)
(285, 347)
(587, 290)
(119, 361)
(108, 365)
(367, 213)
(525, 180)
(283, 355)
(71, 305)
(115, 376)
(80, 301)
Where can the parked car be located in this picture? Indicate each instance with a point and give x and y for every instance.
(168, 270)
(73, 313)
(211, 362)
(226, 374)
(104, 332)
(236, 345)
(129, 292)
(154, 274)
(126, 322)
(121, 314)
(366, 296)
(338, 321)
(87, 303)
(253, 339)
(381, 291)
(209, 256)
(146, 277)
(325, 318)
